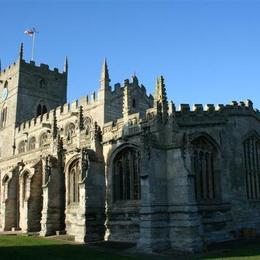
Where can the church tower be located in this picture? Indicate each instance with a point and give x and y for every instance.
(27, 91)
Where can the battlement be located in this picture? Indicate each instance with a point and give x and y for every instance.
(31, 65)
(65, 110)
(8, 69)
(118, 87)
(234, 107)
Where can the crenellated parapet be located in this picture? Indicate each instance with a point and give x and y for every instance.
(214, 114)
(33, 67)
(7, 70)
(242, 107)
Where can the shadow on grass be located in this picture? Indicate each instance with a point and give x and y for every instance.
(54, 252)
(235, 249)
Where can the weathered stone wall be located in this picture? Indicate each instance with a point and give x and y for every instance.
(94, 130)
(39, 85)
(35, 200)
(9, 78)
(10, 209)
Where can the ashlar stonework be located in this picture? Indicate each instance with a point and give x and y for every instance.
(122, 165)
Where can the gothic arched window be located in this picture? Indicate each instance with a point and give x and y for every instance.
(73, 181)
(87, 125)
(21, 147)
(41, 109)
(6, 84)
(3, 116)
(205, 169)
(44, 109)
(32, 143)
(126, 172)
(134, 102)
(42, 83)
(70, 131)
(252, 166)
(43, 139)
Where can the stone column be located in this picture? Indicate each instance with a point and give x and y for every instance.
(184, 220)
(52, 192)
(10, 200)
(91, 210)
(154, 229)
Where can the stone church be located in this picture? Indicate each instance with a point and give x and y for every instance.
(122, 165)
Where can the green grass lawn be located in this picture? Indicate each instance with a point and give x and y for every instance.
(14, 247)
(35, 248)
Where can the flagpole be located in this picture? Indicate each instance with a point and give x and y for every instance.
(33, 42)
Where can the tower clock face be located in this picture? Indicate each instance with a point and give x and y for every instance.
(4, 94)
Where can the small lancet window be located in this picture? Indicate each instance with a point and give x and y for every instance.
(3, 116)
(133, 102)
(73, 179)
(42, 83)
(44, 109)
(39, 110)
(6, 84)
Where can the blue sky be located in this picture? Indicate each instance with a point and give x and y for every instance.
(208, 51)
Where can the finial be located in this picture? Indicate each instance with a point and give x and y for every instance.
(160, 100)
(66, 64)
(54, 126)
(80, 118)
(126, 102)
(135, 79)
(21, 51)
(104, 81)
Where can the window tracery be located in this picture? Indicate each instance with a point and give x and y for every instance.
(87, 125)
(21, 147)
(70, 131)
(126, 172)
(204, 166)
(73, 179)
(32, 143)
(252, 166)
(43, 139)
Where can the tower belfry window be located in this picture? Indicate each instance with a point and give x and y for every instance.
(41, 110)
(44, 109)
(73, 179)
